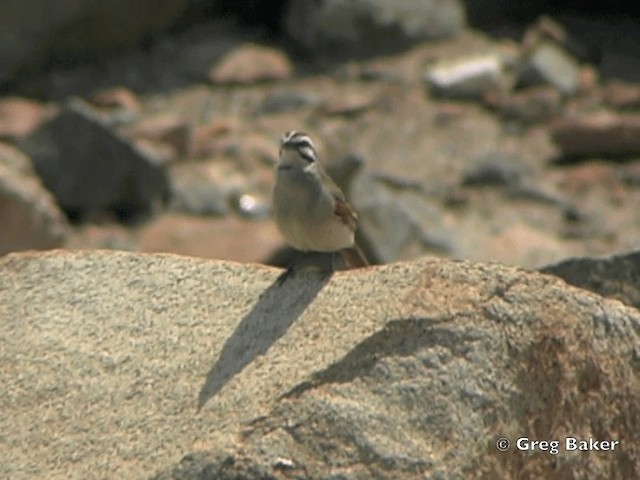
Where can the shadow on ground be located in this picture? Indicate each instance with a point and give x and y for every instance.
(276, 310)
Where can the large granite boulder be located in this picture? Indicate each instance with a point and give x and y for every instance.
(119, 365)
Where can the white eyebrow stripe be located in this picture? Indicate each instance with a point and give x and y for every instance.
(307, 153)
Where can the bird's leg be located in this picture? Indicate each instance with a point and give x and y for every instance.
(319, 262)
(293, 265)
(333, 261)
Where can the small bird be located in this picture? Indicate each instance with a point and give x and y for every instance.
(310, 209)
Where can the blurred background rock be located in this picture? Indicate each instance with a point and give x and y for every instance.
(486, 130)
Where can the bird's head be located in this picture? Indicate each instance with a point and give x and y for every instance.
(296, 149)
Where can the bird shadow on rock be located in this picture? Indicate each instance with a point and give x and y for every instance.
(278, 307)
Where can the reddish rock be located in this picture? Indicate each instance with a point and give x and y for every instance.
(163, 152)
(15, 160)
(206, 138)
(445, 113)
(547, 28)
(166, 129)
(600, 134)
(581, 178)
(540, 246)
(30, 217)
(349, 105)
(588, 81)
(250, 63)
(20, 116)
(230, 238)
(532, 105)
(116, 98)
(622, 95)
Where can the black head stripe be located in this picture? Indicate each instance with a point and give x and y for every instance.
(307, 153)
(301, 143)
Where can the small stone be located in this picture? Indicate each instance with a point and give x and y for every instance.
(600, 134)
(494, 170)
(530, 106)
(162, 152)
(106, 235)
(544, 27)
(630, 174)
(588, 81)
(206, 138)
(30, 217)
(582, 177)
(257, 150)
(372, 73)
(166, 128)
(250, 205)
(549, 63)
(15, 159)
(119, 98)
(622, 95)
(251, 63)
(349, 105)
(199, 199)
(286, 101)
(465, 78)
(281, 463)
(198, 191)
(20, 116)
(447, 112)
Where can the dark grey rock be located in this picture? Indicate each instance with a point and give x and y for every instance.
(91, 168)
(616, 276)
(340, 27)
(494, 170)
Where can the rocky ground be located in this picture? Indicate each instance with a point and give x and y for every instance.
(520, 150)
(466, 130)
